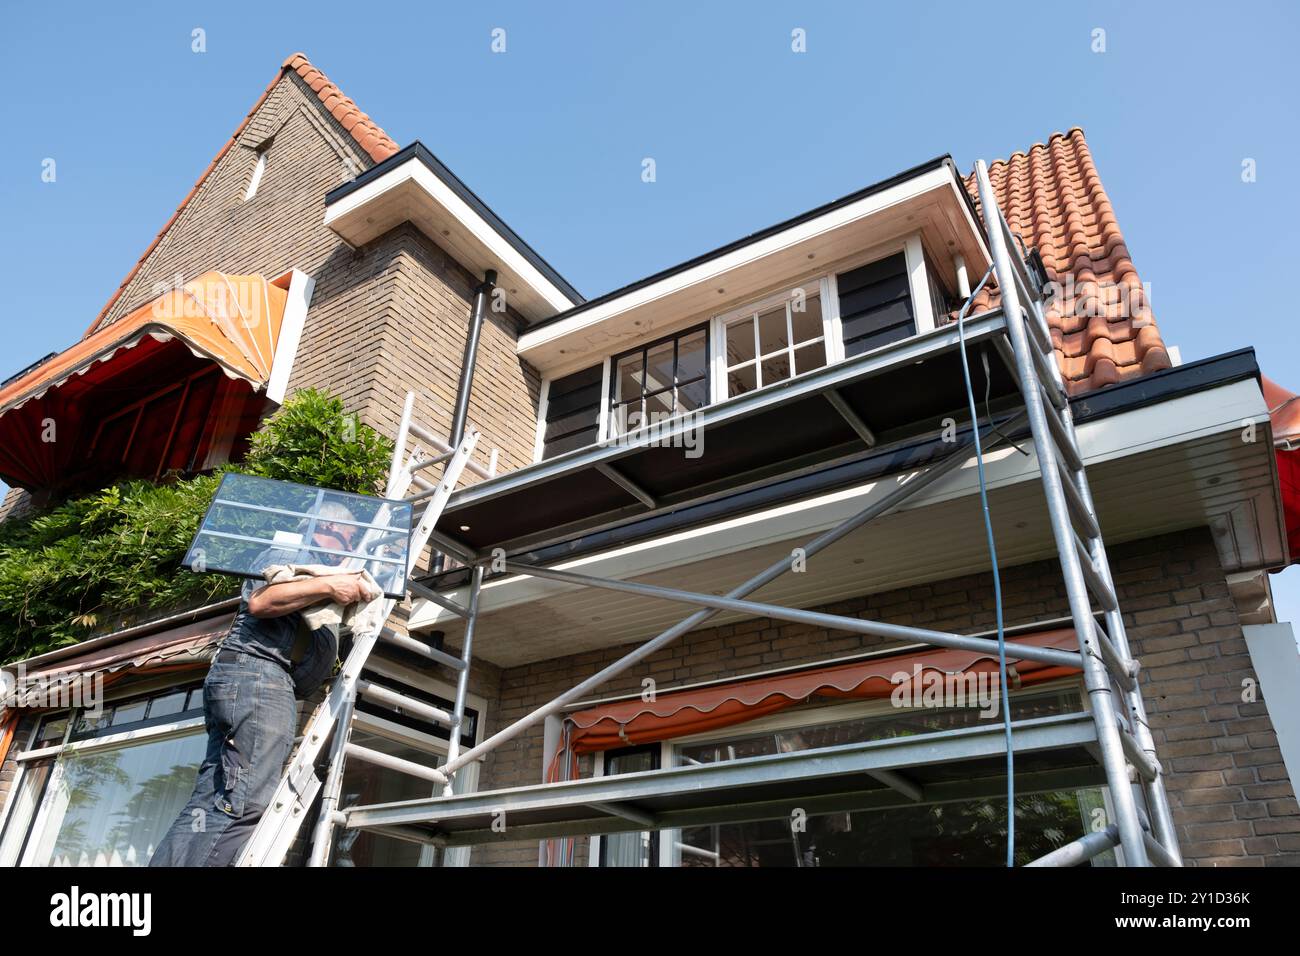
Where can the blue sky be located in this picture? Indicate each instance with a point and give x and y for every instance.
(744, 132)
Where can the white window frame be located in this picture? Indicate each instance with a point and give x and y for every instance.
(39, 807)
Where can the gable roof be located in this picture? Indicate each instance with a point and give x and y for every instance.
(367, 133)
(1102, 324)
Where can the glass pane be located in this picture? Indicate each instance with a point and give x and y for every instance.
(968, 833)
(692, 396)
(809, 357)
(196, 699)
(772, 334)
(658, 406)
(808, 323)
(52, 730)
(692, 356)
(626, 417)
(742, 380)
(628, 378)
(255, 522)
(168, 704)
(776, 369)
(740, 341)
(659, 367)
(88, 723)
(365, 783)
(130, 713)
(114, 805)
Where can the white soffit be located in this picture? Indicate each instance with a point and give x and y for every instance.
(1199, 471)
(930, 204)
(412, 192)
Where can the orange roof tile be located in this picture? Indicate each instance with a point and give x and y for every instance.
(1101, 323)
(378, 144)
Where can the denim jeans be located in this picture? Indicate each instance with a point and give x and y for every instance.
(249, 711)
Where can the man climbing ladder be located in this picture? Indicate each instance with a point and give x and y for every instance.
(271, 657)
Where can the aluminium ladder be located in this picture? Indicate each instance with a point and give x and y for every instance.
(299, 785)
(1123, 732)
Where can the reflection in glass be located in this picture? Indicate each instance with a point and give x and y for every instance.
(110, 807)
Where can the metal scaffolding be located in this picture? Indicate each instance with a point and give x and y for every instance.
(1111, 743)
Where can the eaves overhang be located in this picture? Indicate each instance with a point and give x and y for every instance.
(414, 186)
(928, 201)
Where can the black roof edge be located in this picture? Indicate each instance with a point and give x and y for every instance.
(1126, 396)
(418, 150)
(937, 162)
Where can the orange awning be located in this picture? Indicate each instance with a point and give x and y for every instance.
(231, 320)
(626, 723)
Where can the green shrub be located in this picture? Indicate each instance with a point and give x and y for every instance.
(312, 440)
(92, 562)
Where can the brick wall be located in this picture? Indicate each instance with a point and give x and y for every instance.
(1232, 801)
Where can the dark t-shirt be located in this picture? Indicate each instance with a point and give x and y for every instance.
(272, 638)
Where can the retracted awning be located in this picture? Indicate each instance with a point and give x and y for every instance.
(680, 714)
(233, 321)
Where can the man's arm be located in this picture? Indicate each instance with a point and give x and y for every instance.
(277, 600)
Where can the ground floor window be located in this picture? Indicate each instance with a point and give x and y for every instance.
(101, 787)
(962, 833)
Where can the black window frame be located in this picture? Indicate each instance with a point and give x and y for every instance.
(656, 756)
(611, 396)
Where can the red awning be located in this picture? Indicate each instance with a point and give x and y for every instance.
(1284, 415)
(679, 714)
(231, 321)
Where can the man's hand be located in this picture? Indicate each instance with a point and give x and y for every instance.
(277, 600)
(346, 588)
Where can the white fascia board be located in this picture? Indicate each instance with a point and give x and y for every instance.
(710, 270)
(415, 172)
(301, 287)
(1181, 420)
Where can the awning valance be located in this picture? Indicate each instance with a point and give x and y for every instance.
(680, 714)
(231, 320)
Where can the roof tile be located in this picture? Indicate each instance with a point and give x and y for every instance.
(1102, 325)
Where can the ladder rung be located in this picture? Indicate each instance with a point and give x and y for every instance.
(430, 462)
(429, 438)
(1074, 500)
(388, 761)
(1095, 584)
(1047, 378)
(1063, 437)
(1123, 670)
(1157, 851)
(421, 495)
(423, 649)
(1139, 758)
(1037, 329)
(391, 698)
